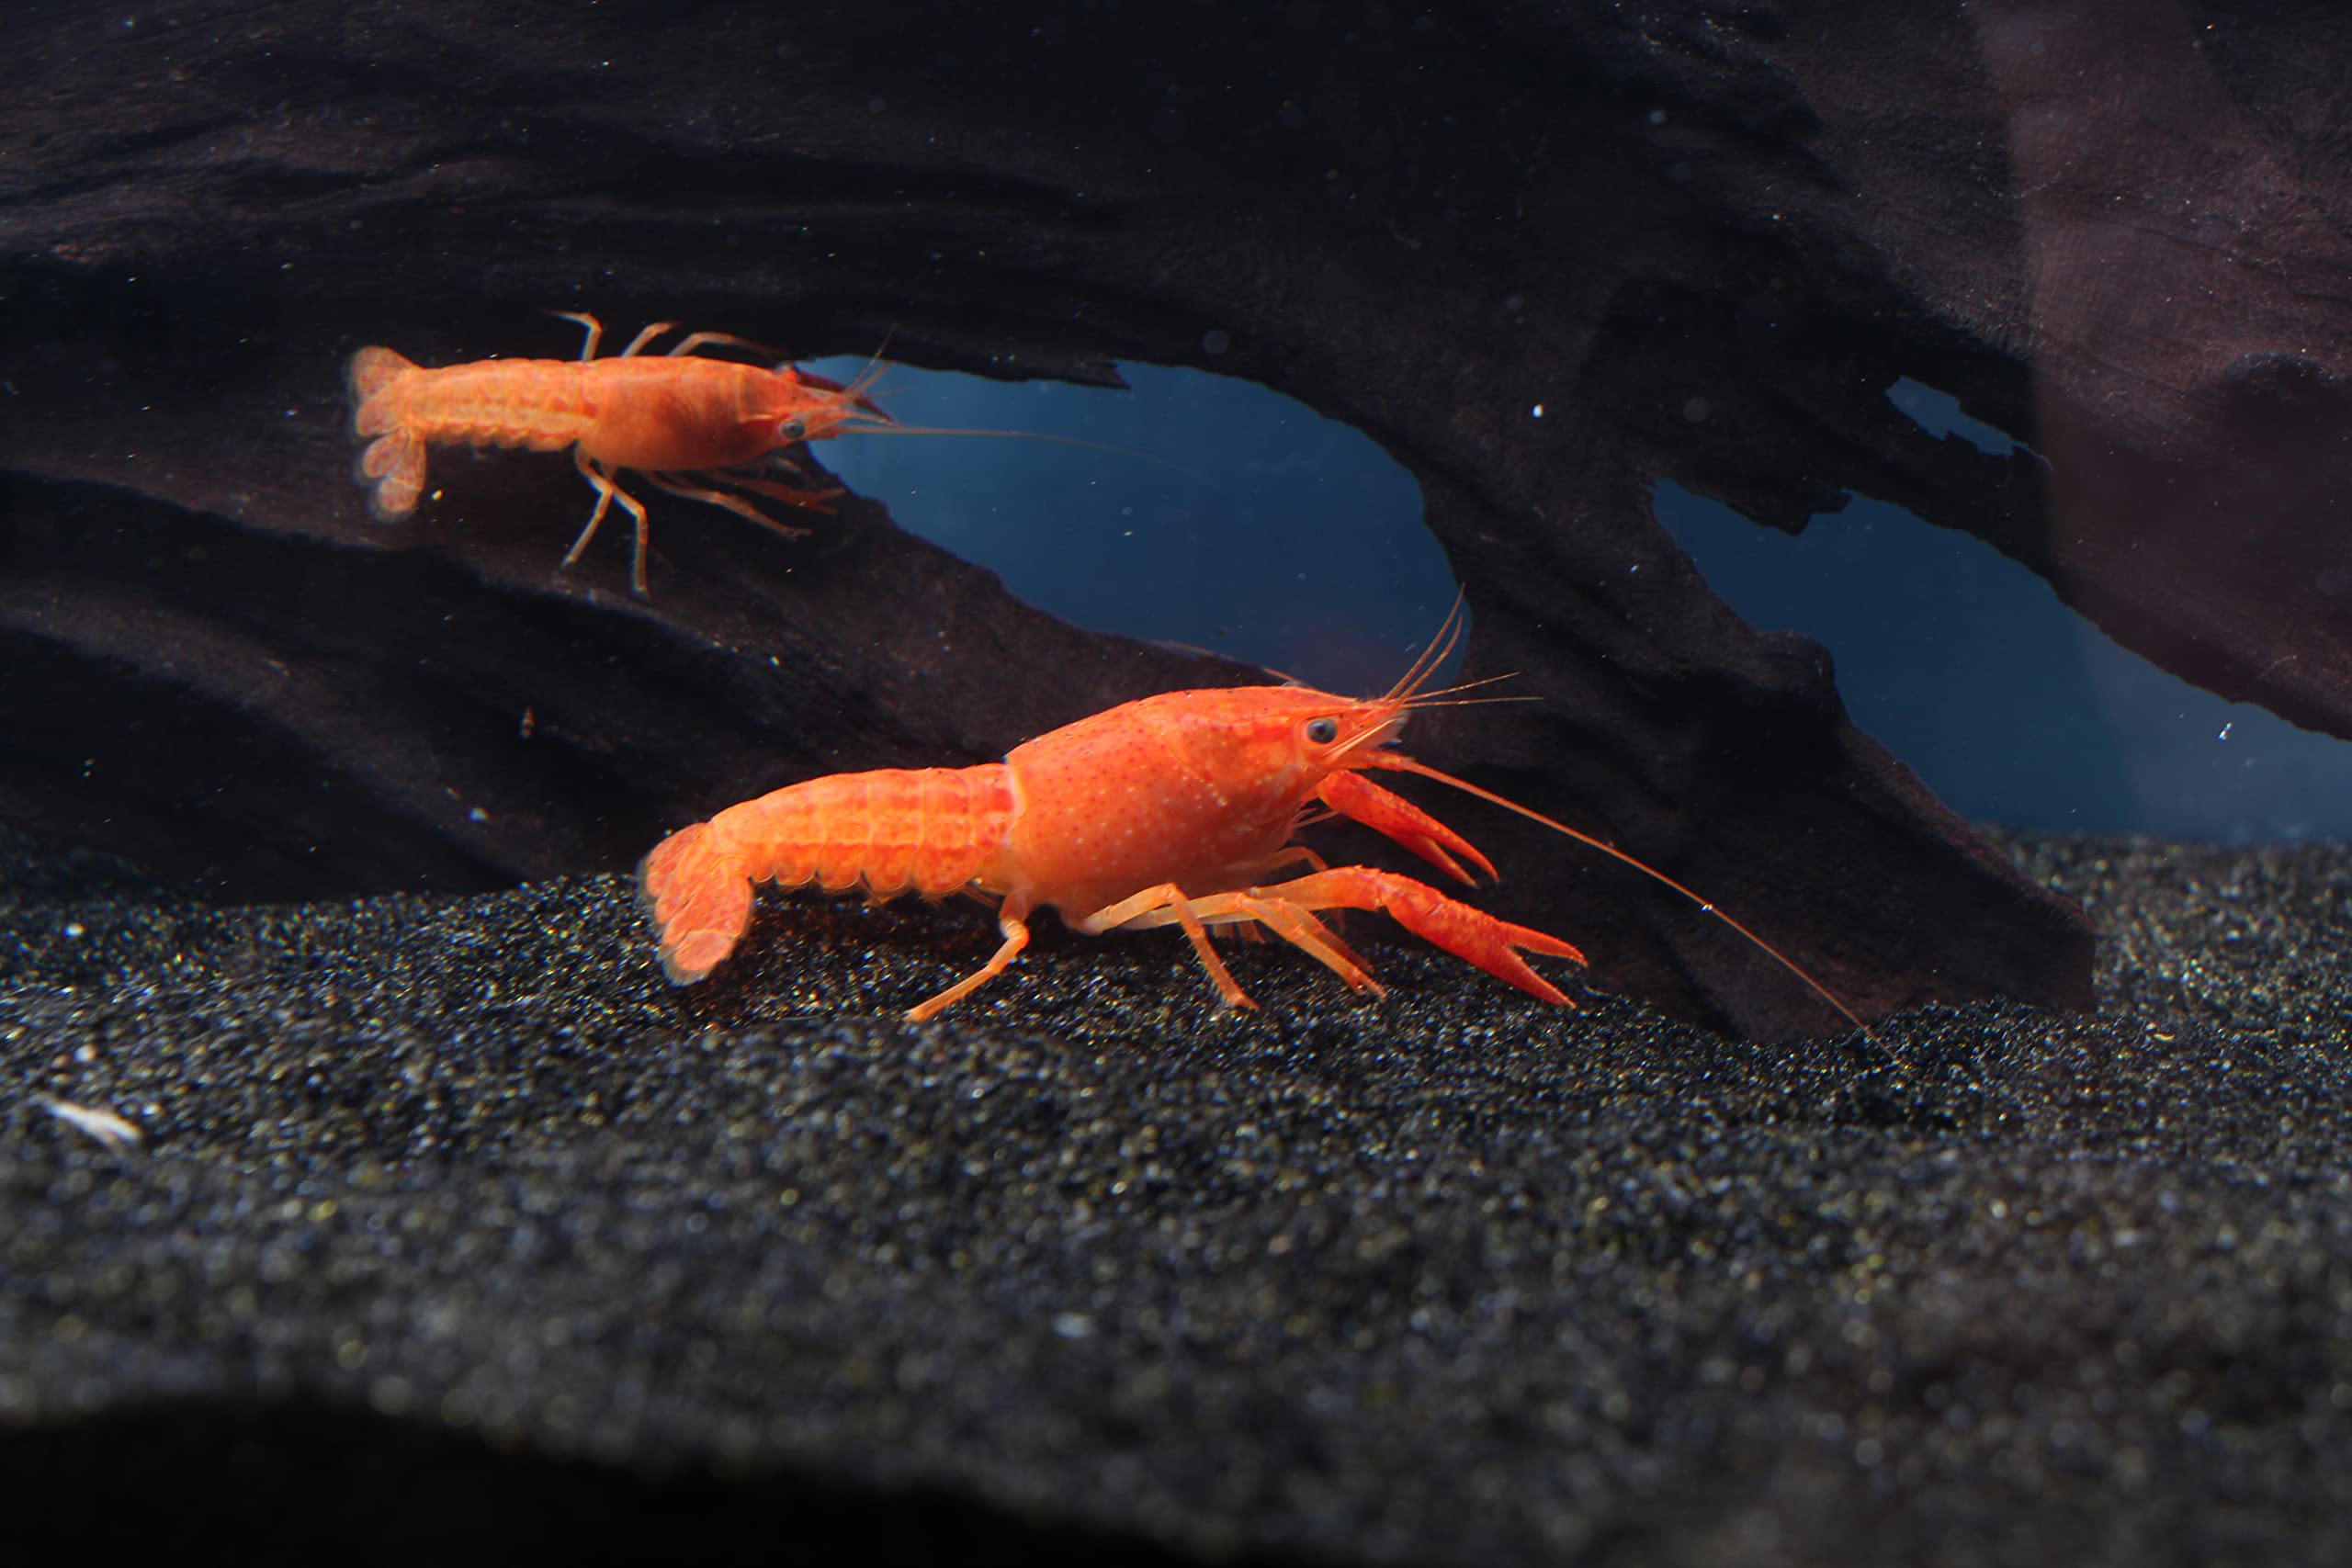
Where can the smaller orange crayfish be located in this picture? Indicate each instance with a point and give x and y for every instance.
(687, 422)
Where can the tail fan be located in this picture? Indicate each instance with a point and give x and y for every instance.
(701, 900)
(394, 464)
(372, 370)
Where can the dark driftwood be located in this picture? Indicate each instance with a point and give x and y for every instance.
(1705, 239)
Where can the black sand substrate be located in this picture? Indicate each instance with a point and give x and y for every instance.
(452, 1231)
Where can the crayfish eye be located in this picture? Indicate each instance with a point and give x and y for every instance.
(1323, 731)
(792, 430)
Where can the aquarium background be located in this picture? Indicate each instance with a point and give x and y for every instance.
(358, 1151)
(1235, 519)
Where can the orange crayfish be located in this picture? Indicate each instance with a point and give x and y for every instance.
(674, 418)
(1166, 811)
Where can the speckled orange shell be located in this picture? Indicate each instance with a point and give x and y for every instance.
(1201, 788)
(930, 830)
(653, 413)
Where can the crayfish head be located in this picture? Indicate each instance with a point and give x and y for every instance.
(795, 405)
(1269, 747)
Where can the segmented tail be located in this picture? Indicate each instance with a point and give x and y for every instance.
(393, 463)
(932, 832)
(701, 899)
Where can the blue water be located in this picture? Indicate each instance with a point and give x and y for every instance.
(1248, 525)
(2012, 708)
(1234, 519)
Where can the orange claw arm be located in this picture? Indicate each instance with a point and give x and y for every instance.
(1467, 934)
(1385, 811)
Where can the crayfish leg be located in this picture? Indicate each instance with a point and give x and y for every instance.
(608, 492)
(1467, 934)
(1011, 920)
(637, 344)
(814, 499)
(1296, 927)
(596, 329)
(734, 503)
(1159, 907)
(693, 341)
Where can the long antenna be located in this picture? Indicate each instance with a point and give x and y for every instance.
(1402, 764)
(865, 417)
(895, 428)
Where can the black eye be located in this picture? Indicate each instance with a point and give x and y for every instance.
(1323, 731)
(791, 430)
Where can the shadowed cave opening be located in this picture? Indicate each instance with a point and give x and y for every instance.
(2014, 708)
(1231, 518)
